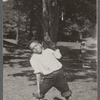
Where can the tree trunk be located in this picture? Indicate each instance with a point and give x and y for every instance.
(54, 20)
(31, 25)
(45, 18)
(50, 18)
(18, 27)
(26, 25)
(81, 36)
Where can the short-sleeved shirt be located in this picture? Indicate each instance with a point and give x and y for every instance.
(46, 62)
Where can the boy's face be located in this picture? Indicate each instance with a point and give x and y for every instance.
(36, 47)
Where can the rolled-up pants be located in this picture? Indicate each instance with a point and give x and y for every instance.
(55, 79)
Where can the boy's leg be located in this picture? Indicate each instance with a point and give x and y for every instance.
(62, 86)
(45, 85)
(67, 98)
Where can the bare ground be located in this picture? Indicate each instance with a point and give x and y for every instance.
(19, 81)
(21, 88)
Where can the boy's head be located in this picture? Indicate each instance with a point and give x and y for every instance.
(36, 47)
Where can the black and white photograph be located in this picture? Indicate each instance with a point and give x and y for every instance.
(50, 49)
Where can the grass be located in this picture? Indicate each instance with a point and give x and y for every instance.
(19, 81)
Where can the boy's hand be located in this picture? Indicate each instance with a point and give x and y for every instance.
(49, 43)
(47, 38)
(36, 95)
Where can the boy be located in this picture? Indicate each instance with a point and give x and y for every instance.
(45, 63)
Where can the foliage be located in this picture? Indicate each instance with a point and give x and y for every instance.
(84, 8)
(78, 17)
(23, 41)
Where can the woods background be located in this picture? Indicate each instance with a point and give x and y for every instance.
(62, 20)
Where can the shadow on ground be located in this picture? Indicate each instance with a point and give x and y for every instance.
(72, 65)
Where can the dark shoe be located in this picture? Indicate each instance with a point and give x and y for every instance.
(56, 98)
(41, 96)
(67, 94)
(67, 98)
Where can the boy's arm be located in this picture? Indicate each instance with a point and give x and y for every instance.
(38, 78)
(35, 67)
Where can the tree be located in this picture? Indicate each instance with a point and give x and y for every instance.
(50, 17)
(82, 13)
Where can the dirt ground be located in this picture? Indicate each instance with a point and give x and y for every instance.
(19, 81)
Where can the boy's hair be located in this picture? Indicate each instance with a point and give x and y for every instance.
(29, 43)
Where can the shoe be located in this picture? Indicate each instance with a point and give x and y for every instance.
(56, 98)
(36, 95)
